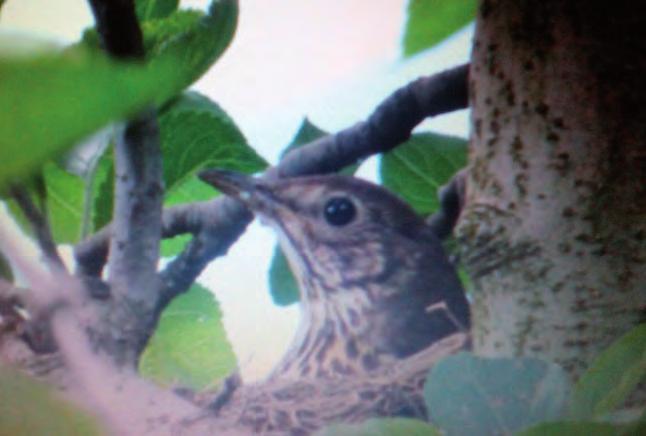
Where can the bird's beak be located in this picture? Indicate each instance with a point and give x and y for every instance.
(257, 194)
(237, 185)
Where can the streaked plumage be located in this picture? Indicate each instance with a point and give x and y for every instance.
(377, 291)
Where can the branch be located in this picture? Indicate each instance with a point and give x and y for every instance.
(136, 229)
(387, 127)
(218, 223)
(40, 226)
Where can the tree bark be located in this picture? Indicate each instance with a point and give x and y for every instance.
(554, 228)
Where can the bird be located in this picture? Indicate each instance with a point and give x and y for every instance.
(377, 291)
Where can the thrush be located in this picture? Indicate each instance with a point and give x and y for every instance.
(380, 304)
(375, 283)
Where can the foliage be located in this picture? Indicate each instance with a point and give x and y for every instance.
(419, 167)
(29, 407)
(431, 21)
(502, 396)
(151, 9)
(58, 98)
(189, 347)
(612, 377)
(494, 396)
(196, 133)
(52, 99)
(382, 427)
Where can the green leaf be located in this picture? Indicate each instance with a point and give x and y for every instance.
(467, 395)
(282, 284)
(189, 347)
(50, 102)
(151, 9)
(28, 407)
(613, 375)
(5, 269)
(196, 133)
(382, 427)
(431, 21)
(194, 50)
(64, 203)
(160, 32)
(416, 169)
(104, 191)
(307, 132)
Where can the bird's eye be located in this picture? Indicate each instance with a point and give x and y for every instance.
(339, 211)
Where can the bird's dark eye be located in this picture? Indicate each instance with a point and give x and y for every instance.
(339, 211)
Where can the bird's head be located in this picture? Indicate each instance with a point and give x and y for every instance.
(334, 229)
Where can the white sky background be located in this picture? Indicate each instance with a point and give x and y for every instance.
(330, 61)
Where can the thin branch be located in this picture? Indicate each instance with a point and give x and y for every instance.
(40, 226)
(387, 127)
(217, 224)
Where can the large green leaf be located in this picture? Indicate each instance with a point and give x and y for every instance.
(468, 395)
(611, 377)
(158, 33)
(193, 41)
(416, 169)
(282, 284)
(431, 21)
(65, 200)
(151, 9)
(189, 347)
(196, 133)
(28, 407)
(382, 427)
(49, 102)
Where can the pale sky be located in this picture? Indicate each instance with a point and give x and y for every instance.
(330, 61)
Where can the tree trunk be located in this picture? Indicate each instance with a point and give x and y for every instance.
(554, 228)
